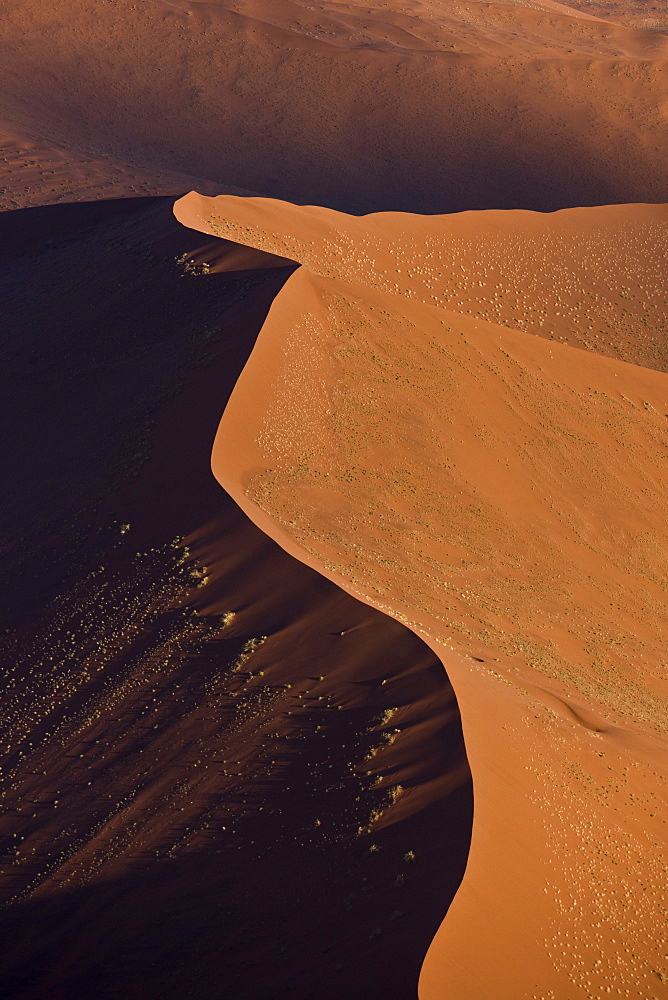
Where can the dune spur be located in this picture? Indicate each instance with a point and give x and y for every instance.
(504, 494)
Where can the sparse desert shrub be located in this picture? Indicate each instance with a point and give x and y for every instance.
(191, 266)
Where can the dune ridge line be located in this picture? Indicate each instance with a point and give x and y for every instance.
(481, 471)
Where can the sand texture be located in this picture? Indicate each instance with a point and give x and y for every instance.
(34, 173)
(420, 429)
(383, 717)
(425, 107)
(204, 742)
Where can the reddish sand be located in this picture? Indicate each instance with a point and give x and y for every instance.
(164, 711)
(34, 172)
(649, 14)
(503, 494)
(420, 107)
(224, 776)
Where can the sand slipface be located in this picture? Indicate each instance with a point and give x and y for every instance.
(465, 438)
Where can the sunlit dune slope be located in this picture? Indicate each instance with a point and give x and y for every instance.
(505, 495)
(591, 278)
(221, 775)
(424, 107)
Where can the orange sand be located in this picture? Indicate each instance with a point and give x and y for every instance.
(459, 419)
(504, 495)
(172, 681)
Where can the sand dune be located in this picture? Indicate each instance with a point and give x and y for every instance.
(589, 278)
(504, 494)
(634, 13)
(173, 681)
(230, 769)
(427, 108)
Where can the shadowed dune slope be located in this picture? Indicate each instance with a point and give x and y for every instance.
(222, 776)
(504, 494)
(433, 107)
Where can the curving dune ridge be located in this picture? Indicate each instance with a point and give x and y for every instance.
(173, 682)
(224, 777)
(422, 431)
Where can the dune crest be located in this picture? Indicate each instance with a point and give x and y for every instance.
(445, 456)
(591, 278)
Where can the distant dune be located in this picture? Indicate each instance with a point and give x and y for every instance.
(34, 172)
(426, 109)
(504, 494)
(647, 14)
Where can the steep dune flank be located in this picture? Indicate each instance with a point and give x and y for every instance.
(505, 495)
(172, 681)
(361, 108)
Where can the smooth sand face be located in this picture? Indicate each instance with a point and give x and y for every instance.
(504, 495)
(428, 108)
